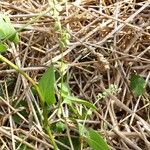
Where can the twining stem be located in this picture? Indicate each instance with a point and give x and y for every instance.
(46, 123)
(2, 58)
(47, 128)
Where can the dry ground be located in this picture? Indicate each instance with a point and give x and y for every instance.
(110, 40)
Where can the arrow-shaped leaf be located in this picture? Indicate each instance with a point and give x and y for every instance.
(46, 85)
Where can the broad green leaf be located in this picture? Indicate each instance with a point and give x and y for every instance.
(137, 85)
(95, 141)
(46, 85)
(3, 47)
(7, 30)
(77, 100)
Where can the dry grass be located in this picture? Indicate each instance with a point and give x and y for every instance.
(110, 40)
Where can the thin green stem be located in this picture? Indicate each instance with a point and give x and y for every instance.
(2, 58)
(51, 137)
(46, 124)
(47, 128)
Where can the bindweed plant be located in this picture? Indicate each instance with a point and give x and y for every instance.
(46, 86)
(64, 90)
(8, 33)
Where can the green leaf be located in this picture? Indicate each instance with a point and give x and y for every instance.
(137, 85)
(82, 130)
(68, 99)
(14, 38)
(2, 34)
(64, 87)
(60, 127)
(7, 30)
(46, 85)
(77, 100)
(95, 141)
(57, 26)
(3, 47)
